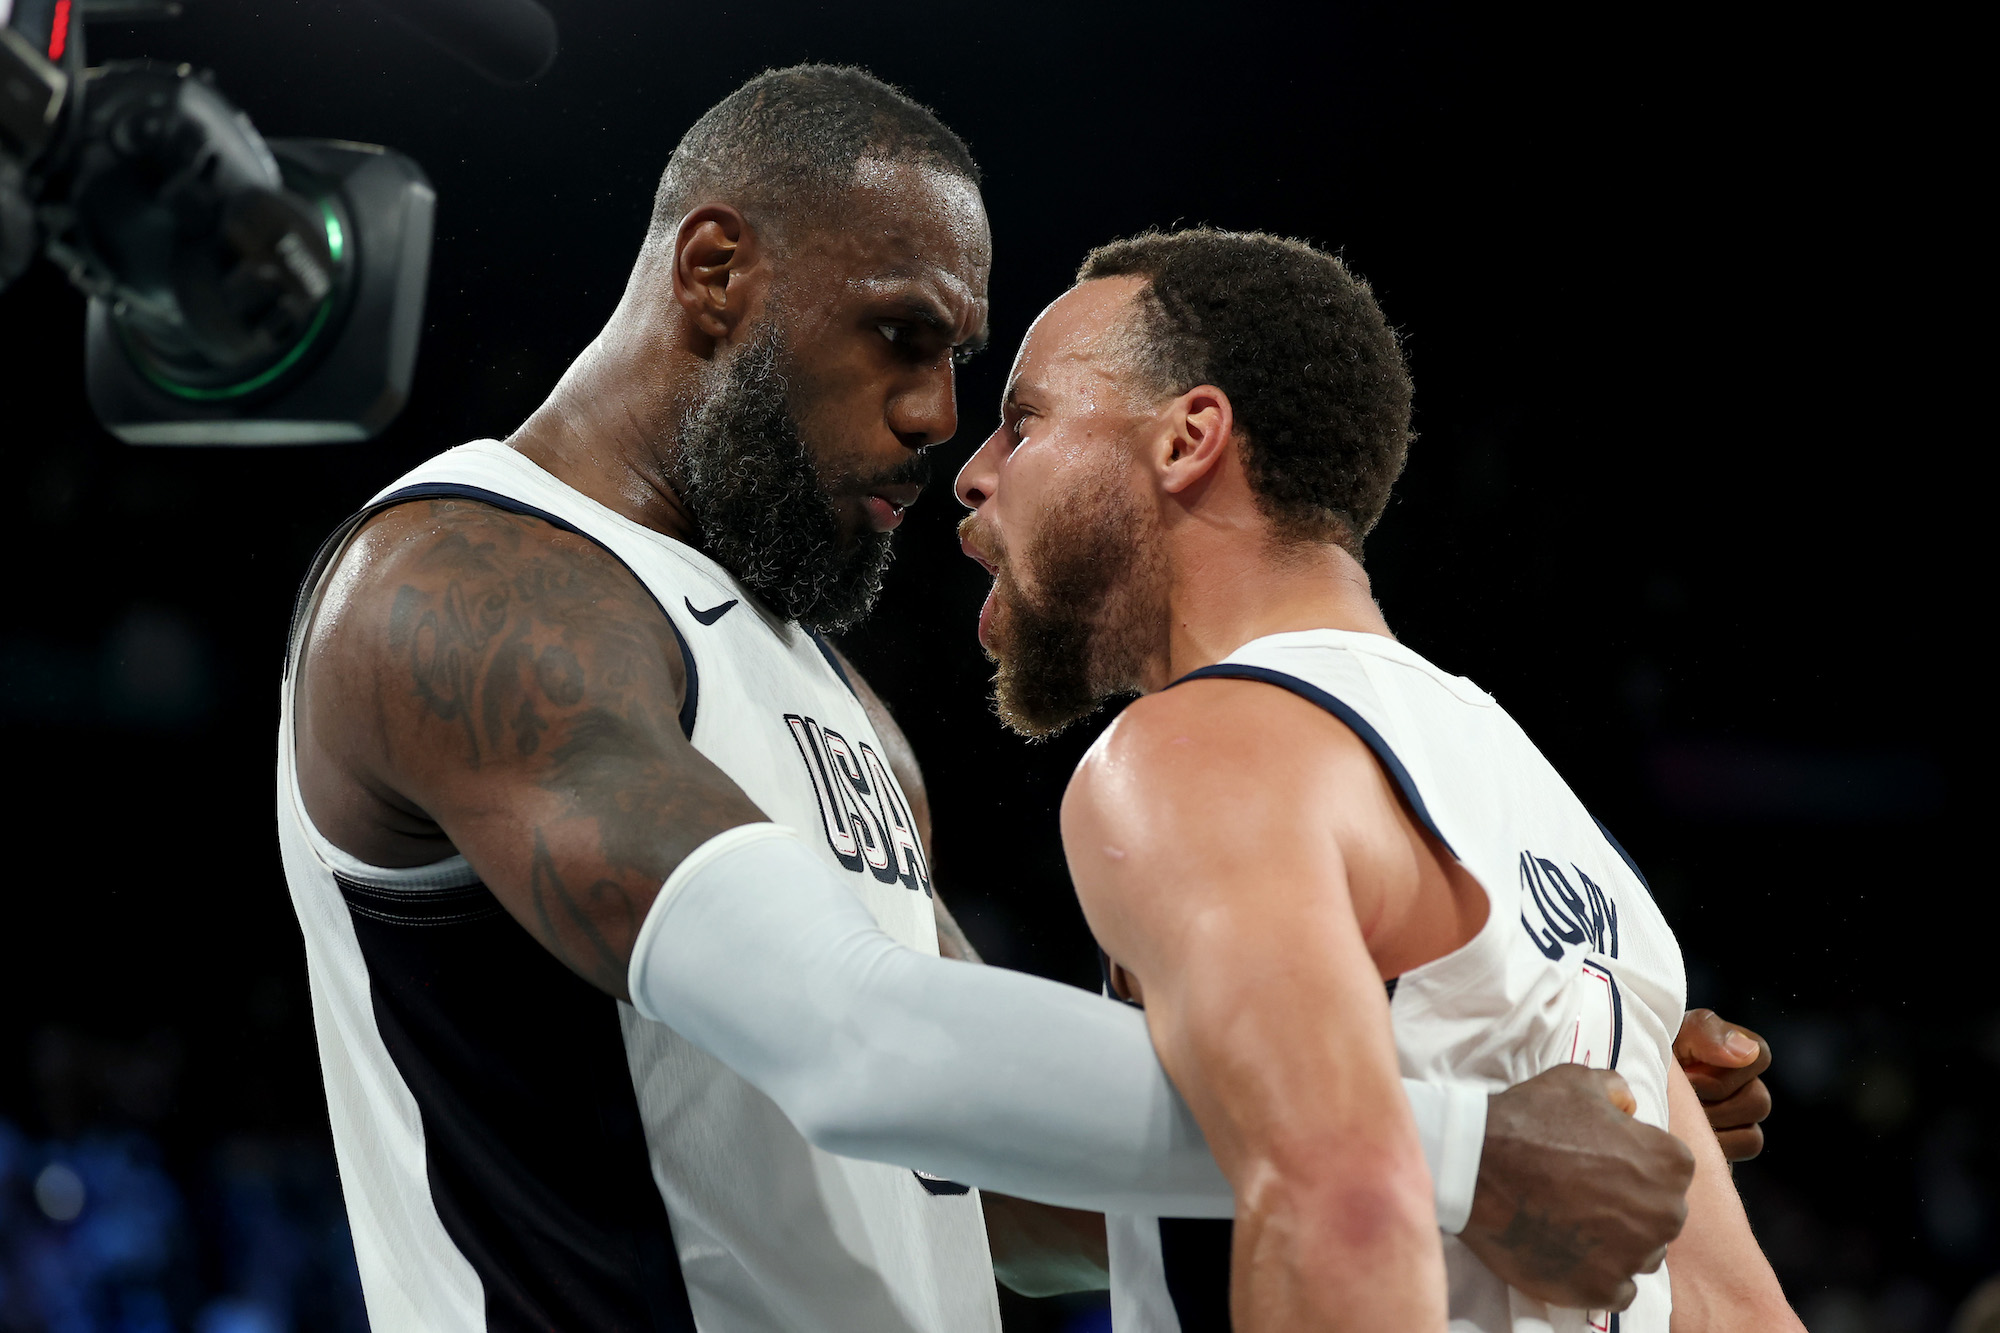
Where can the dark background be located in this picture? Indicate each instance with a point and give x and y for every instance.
(1676, 501)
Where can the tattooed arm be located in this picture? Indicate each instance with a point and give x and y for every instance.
(482, 682)
(1038, 1249)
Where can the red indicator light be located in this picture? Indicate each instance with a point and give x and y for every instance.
(59, 31)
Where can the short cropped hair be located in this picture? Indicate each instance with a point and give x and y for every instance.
(784, 146)
(1314, 373)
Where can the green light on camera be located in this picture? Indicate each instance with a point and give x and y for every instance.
(336, 239)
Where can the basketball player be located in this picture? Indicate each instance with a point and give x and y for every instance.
(1196, 440)
(613, 879)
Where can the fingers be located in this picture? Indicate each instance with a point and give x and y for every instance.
(1627, 1292)
(1652, 1262)
(1740, 1145)
(1705, 1039)
(1746, 1108)
(1719, 1085)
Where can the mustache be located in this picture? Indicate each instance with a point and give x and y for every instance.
(912, 471)
(970, 533)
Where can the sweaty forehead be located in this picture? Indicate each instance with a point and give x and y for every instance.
(1081, 332)
(906, 225)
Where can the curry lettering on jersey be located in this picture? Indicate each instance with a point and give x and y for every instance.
(862, 811)
(1570, 916)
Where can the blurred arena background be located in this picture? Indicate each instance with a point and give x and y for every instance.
(1672, 501)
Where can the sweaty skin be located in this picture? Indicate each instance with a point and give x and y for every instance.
(1261, 976)
(478, 682)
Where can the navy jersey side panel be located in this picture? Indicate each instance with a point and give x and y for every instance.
(534, 1146)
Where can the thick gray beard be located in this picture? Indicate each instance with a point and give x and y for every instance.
(1099, 616)
(762, 508)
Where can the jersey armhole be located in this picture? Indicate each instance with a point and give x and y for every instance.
(331, 548)
(832, 659)
(1356, 723)
(1623, 855)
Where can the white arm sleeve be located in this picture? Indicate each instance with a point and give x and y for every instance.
(755, 952)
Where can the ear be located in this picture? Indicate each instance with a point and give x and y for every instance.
(1201, 428)
(717, 269)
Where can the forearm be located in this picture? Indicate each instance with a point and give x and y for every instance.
(1721, 1281)
(755, 953)
(1314, 1242)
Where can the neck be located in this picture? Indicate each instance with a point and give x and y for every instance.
(615, 414)
(1228, 587)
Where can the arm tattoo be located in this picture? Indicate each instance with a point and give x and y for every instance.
(581, 924)
(553, 671)
(1547, 1249)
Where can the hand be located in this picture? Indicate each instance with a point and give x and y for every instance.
(1574, 1195)
(1723, 1061)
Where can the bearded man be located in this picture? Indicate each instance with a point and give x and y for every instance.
(1314, 859)
(613, 877)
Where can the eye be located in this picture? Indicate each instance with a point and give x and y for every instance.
(893, 333)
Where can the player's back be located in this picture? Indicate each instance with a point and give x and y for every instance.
(1574, 963)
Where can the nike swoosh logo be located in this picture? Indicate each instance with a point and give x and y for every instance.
(713, 614)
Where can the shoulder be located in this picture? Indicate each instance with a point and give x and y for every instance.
(468, 569)
(455, 615)
(1219, 745)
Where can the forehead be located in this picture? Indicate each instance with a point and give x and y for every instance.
(908, 223)
(1079, 331)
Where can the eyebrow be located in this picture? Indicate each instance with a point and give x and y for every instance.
(933, 316)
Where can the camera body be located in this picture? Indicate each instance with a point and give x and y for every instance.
(347, 373)
(241, 292)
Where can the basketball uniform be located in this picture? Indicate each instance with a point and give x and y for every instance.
(1574, 964)
(519, 1150)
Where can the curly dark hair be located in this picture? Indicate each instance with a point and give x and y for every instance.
(786, 143)
(1314, 373)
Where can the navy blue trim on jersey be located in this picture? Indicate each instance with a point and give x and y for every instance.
(832, 659)
(534, 1149)
(1356, 723)
(1617, 1010)
(451, 490)
(1623, 855)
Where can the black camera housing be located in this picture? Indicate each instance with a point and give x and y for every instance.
(349, 376)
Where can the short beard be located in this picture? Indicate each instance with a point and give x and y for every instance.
(761, 505)
(1098, 617)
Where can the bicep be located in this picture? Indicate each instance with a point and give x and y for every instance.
(1231, 908)
(526, 691)
(1721, 1279)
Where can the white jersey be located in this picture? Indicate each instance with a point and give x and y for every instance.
(519, 1150)
(1574, 964)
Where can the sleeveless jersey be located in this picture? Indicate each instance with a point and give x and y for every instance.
(517, 1149)
(1575, 964)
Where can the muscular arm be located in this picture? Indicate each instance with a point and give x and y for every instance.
(1721, 1281)
(485, 683)
(1198, 837)
(480, 681)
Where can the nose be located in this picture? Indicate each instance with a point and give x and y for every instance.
(926, 413)
(979, 479)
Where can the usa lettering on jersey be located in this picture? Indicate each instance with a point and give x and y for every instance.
(1570, 916)
(862, 811)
